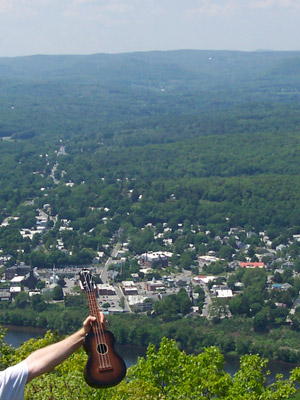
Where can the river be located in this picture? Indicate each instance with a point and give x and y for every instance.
(15, 336)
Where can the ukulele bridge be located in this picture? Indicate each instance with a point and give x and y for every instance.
(108, 368)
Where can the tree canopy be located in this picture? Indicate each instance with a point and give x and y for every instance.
(165, 373)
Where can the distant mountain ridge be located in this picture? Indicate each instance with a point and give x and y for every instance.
(169, 68)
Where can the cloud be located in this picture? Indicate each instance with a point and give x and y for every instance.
(267, 4)
(208, 7)
(153, 7)
(118, 6)
(26, 7)
(229, 7)
(108, 12)
(6, 6)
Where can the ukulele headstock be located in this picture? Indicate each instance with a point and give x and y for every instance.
(86, 281)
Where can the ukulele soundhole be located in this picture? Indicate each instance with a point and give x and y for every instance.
(102, 348)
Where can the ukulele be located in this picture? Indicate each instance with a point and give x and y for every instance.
(104, 367)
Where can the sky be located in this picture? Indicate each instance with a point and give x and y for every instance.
(30, 27)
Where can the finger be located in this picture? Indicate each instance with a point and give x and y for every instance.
(103, 319)
(89, 320)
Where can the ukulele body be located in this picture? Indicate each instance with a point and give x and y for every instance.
(104, 368)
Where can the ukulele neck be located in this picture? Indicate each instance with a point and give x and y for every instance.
(93, 307)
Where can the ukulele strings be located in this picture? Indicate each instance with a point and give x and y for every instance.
(99, 337)
(99, 327)
(104, 358)
(99, 332)
(92, 312)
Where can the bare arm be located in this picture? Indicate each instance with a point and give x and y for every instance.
(47, 358)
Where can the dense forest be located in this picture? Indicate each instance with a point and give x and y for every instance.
(206, 137)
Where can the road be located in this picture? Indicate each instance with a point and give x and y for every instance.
(208, 301)
(120, 295)
(104, 276)
(104, 273)
(52, 174)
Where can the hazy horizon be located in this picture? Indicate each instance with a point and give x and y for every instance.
(152, 51)
(81, 27)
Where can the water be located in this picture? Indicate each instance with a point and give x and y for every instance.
(15, 336)
(275, 367)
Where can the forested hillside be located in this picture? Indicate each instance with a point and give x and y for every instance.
(218, 130)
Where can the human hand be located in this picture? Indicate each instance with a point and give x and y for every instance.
(88, 322)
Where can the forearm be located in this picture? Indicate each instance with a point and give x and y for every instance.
(47, 358)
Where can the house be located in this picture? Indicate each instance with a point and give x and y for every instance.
(154, 285)
(146, 271)
(117, 264)
(115, 310)
(139, 303)
(60, 244)
(106, 289)
(285, 286)
(14, 291)
(281, 286)
(238, 285)
(235, 230)
(250, 234)
(281, 305)
(31, 279)
(155, 259)
(6, 220)
(287, 265)
(42, 219)
(5, 295)
(112, 274)
(296, 237)
(17, 281)
(234, 264)
(29, 233)
(221, 291)
(169, 282)
(281, 247)
(20, 270)
(195, 310)
(135, 277)
(121, 253)
(181, 283)
(252, 264)
(296, 303)
(203, 278)
(129, 288)
(100, 255)
(46, 207)
(207, 259)
(34, 293)
(168, 242)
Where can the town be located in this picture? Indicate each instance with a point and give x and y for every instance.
(127, 281)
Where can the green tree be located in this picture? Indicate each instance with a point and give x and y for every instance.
(57, 293)
(260, 321)
(37, 303)
(166, 373)
(122, 302)
(22, 300)
(171, 374)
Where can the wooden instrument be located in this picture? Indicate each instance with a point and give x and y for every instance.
(104, 368)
